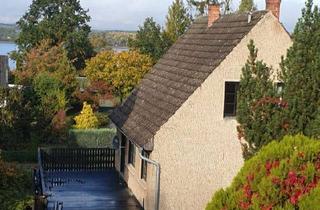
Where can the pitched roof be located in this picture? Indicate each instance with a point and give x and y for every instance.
(178, 74)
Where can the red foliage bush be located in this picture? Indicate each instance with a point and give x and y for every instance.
(94, 93)
(283, 175)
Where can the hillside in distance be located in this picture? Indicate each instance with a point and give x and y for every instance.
(8, 32)
(114, 38)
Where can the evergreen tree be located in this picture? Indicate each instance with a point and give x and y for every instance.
(202, 5)
(60, 21)
(178, 20)
(301, 73)
(149, 40)
(259, 110)
(86, 119)
(246, 5)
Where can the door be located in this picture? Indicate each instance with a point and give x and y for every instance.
(123, 153)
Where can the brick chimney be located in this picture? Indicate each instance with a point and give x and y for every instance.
(274, 7)
(213, 13)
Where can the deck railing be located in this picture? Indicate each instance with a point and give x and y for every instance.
(67, 159)
(40, 199)
(77, 159)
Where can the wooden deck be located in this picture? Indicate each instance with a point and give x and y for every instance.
(88, 190)
(80, 179)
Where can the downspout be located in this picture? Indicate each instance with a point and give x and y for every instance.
(157, 186)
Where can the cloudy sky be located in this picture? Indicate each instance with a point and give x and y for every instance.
(129, 14)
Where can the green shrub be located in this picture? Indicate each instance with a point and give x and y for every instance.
(283, 175)
(91, 138)
(51, 94)
(16, 117)
(103, 119)
(15, 187)
(22, 156)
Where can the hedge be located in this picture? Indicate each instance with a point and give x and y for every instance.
(91, 138)
(283, 175)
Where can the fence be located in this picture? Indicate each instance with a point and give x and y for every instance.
(77, 159)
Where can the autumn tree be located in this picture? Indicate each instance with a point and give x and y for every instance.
(53, 60)
(246, 5)
(121, 71)
(96, 91)
(59, 21)
(178, 20)
(301, 74)
(149, 40)
(259, 108)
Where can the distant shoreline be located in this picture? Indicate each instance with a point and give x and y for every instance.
(7, 41)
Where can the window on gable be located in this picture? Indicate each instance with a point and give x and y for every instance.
(230, 99)
(280, 87)
(132, 153)
(144, 166)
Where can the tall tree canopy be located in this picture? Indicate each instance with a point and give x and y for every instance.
(60, 21)
(178, 20)
(246, 5)
(149, 40)
(301, 72)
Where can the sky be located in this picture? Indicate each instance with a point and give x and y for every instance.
(129, 14)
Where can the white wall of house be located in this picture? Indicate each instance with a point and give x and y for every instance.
(197, 148)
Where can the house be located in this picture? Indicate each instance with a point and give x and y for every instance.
(182, 115)
(4, 70)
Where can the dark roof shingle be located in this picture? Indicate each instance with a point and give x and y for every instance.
(178, 74)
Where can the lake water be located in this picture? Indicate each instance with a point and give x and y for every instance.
(5, 48)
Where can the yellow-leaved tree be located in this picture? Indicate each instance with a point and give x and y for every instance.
(122, 71)
(86, 119)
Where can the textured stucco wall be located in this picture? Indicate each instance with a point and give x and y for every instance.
(197, 148)
(132, 173)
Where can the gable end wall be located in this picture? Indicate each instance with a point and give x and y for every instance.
(197, 148)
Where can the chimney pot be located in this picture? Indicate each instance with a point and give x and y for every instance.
(213, 13)
(274, 7)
